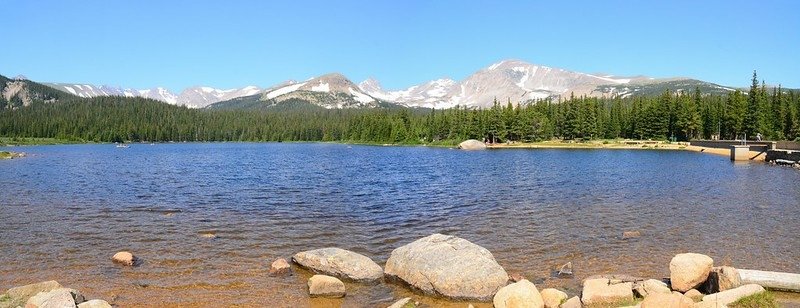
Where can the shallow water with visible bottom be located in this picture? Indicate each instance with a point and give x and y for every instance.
(65, 210)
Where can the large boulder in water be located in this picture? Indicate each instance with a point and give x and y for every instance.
(448, 266)
(340, 263)
(472, 144)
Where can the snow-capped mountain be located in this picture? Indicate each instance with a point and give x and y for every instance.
(196, 97)
(432, 94)
(510, 79)
(86, 90)
(199, 97)
(329, 91)
(513, 80)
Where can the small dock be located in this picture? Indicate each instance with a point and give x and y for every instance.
(785, 152)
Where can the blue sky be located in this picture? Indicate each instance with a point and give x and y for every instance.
(226, 44)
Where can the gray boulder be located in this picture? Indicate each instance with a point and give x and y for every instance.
(722, 278)
(650, 286)
(19, 295)
(58, 298)
(448, 266)
(472, 144)
(340, 263)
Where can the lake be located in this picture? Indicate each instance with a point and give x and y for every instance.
(65, 210)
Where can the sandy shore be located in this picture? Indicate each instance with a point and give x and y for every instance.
(629, 145)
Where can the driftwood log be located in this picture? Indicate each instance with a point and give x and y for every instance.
(771, 280)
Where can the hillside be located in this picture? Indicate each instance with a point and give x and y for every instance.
(20, 92)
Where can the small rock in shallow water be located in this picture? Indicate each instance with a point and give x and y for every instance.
(325, 286)
(565, 270)
(340, 263)
(280, 267)
(208, 235)
(630, 234)
(403, 303)
(124, 258)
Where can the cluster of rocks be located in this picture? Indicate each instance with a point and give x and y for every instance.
(11, 155)
(48, 294)
(454, 268)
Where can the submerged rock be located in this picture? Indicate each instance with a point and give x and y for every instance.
(403, 303)
(522, 294)
(631, 234)
(325, 286)
(124, 258)
(280, 268)
(340, 263)
(689, 270)
(472, 144)
(448, 266)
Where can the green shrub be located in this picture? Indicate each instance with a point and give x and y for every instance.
(760, 300)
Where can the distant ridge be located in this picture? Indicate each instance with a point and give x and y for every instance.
(514, 80)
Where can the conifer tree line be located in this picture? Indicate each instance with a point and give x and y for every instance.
(774, 113)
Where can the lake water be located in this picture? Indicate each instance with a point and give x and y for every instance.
(65, 210)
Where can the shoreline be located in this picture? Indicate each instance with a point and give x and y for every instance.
(592, 145)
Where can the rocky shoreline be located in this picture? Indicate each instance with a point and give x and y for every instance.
(456, 269)
(11, 155)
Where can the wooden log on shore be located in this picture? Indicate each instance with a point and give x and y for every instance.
(771, 280)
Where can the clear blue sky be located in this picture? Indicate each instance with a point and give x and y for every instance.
(225, 44)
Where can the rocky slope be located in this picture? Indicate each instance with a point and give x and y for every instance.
(327, 91)
(520, 81)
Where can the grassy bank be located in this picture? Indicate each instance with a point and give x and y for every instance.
(8, 141)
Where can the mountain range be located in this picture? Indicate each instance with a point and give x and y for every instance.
(513, 80)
